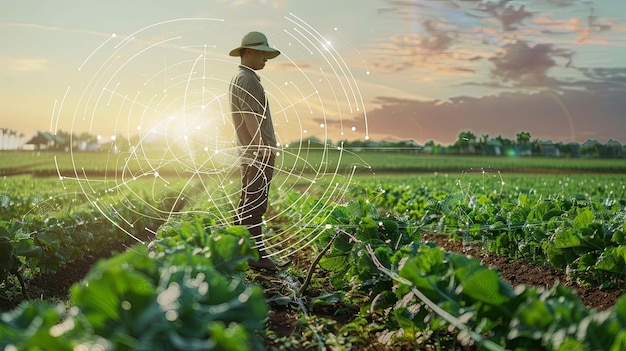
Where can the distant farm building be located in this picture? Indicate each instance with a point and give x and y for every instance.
(612, 149)
(45, 141)
(549, 149)
(573, 149)
(493, 148)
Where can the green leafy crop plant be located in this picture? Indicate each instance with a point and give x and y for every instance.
(422, 290)
(42, 232)
(173, 296)
(519, 216)
(377, 260)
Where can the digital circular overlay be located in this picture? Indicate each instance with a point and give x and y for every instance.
(157, 100)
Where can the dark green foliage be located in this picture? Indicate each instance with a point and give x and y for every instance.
(349, 258)
(473, 297)
(174, 297)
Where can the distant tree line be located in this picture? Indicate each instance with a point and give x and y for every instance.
(467, 143)
(59, 141)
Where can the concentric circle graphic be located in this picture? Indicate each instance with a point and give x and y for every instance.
(158, 101)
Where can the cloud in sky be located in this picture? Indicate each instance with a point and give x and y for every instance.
(29, 25)
(16, 65)
(527, 65)
(509, 16)
(50, 28)
(523, 65)
(511, 40)
(572, 116)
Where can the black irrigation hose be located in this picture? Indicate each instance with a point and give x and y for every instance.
(453, 320)
(22, 284)
(309, 274)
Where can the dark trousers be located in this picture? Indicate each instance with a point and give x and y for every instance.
(255, 184)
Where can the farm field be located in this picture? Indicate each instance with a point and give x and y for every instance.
(552, 229)
(46, 163)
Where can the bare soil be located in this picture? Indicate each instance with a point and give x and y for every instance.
(56, 286)
(283, 321)
(518, 272)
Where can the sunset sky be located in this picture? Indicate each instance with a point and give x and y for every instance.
(378, 69)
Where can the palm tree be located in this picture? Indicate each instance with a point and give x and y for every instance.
(484, 139)
(504, 141)
(13, 134)
(4, 133)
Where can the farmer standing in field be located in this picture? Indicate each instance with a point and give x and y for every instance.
(255, 135)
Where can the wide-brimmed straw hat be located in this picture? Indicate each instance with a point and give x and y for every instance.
(255, 41)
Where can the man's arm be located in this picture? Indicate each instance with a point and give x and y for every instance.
(252, 122)
(251, 98)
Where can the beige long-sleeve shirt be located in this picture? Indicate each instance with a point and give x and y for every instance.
(250, 110)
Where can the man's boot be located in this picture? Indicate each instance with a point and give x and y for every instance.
(263, 262)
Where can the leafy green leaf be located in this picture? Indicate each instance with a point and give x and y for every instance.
(478, 282)
(229, 253)
(613, 259)
(425, 269)
(35, 326)
(566, 238)
(583, 219)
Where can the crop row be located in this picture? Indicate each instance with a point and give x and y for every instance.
(573, 223)
(46, 232)
(187, 290)
(175, 296)
(420, 289)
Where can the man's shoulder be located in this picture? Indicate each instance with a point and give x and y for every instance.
(246, 78)
(246, 72)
